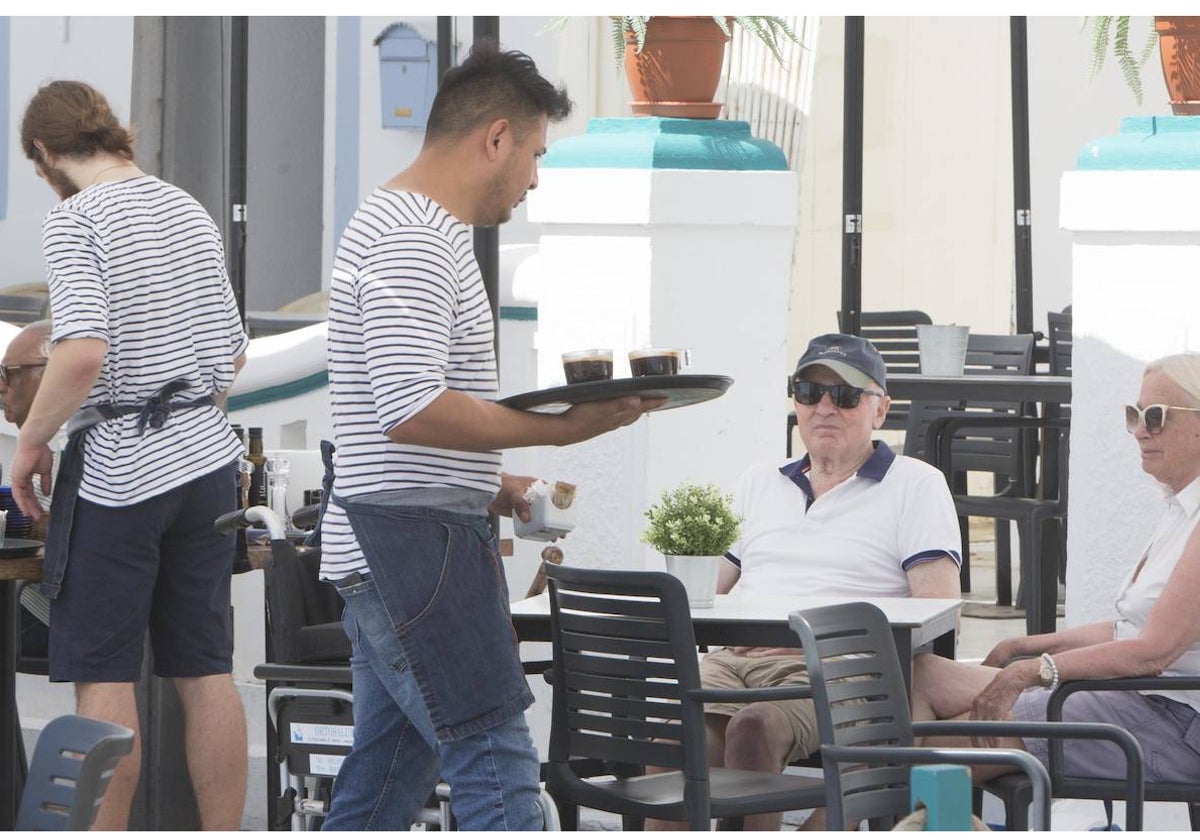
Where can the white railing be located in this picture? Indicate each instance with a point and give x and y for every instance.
(775, 99)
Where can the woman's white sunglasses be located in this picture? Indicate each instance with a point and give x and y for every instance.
(1154, 416)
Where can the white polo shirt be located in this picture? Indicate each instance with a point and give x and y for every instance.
(857, 540)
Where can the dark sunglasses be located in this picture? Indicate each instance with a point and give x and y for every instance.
(1154, 416)
(7, 371)
(843, 396)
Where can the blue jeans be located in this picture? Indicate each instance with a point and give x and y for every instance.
(429, 701)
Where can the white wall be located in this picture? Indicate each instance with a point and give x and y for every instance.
(97, 50)
(1136, 245)
(937, 165)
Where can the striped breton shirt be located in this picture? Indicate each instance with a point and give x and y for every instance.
(408, 318)
(139, 264)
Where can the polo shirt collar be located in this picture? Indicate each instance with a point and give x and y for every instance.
(874, 468)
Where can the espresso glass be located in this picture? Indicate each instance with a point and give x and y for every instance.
(587, 365)
(655, 361)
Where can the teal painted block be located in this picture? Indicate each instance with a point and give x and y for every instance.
(945, 792)
(665, 143)
(1146, 143)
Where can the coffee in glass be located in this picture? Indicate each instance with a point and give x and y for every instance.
(587, 365)
(654, 361)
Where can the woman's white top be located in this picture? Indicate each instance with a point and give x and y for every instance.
(1136, 597)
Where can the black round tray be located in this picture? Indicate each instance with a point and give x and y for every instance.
(680, 389)
(14, 548)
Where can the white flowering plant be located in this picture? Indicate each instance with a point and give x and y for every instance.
(692, 520)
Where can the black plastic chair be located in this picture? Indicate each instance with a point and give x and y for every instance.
(894, 334)
(72, 764)
(1032, 513)
(867, 733)
(627, 689)
(1061, 342)
(1006, 453)
(1014, 791)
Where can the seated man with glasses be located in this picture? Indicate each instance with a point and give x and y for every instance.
(1156, 631)
(851, 519)
(20, 376)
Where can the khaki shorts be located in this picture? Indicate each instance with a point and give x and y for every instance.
(725, 669)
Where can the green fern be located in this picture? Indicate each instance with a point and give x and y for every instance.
(1113, 30)
(770, 30)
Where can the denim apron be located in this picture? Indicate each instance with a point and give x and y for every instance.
(153, 413)
(439, 575)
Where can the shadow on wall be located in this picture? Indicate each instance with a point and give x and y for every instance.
(1113, 504)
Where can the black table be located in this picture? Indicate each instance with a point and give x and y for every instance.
(1048, 390)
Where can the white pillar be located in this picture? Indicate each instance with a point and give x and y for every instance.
(1136, 231)
(637, 253)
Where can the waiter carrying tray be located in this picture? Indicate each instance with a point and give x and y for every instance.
(439, 691)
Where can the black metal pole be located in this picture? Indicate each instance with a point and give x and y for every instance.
(487, 239)
(1022, 221)
(239, 62)
(852, 158)
(445, 45)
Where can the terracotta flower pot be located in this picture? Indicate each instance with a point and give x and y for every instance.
(1179, 46)
(677, 72)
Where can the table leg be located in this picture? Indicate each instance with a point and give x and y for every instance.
(10, 638)
(904, 649)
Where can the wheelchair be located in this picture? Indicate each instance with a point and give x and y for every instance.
(310, 704)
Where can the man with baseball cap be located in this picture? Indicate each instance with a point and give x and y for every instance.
(851, 519)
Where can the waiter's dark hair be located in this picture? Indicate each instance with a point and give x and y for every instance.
(493, 84)
(73, 119)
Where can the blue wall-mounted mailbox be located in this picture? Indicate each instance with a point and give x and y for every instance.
(407, 76)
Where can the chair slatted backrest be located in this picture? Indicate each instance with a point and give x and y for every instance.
(999, 451)
(894, 334)
(1061, 343)
(624, 657)
(860, 700)
(72, 765)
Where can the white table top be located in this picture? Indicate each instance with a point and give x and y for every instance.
(902, 612)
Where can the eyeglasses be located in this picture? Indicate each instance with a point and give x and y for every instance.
(1154, 416)
(843, 396)
(7, 371)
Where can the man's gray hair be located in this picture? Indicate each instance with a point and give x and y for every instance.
(1183, 369)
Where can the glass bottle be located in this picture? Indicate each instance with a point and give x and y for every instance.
(278, 471)
(258, 494)
(241, 556)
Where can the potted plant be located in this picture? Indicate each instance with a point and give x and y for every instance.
(693, 526)
(673, 64)
(1178, 39)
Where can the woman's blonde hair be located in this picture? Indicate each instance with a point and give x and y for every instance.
(1184, 370)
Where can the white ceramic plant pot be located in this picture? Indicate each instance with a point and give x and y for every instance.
(942, 349)
(698, 575)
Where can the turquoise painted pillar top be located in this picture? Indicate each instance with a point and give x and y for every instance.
(1146, 143)
(665, 143)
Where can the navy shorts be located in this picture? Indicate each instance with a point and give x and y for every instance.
(156, 564)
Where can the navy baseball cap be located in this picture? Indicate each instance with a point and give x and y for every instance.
(851, 357)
